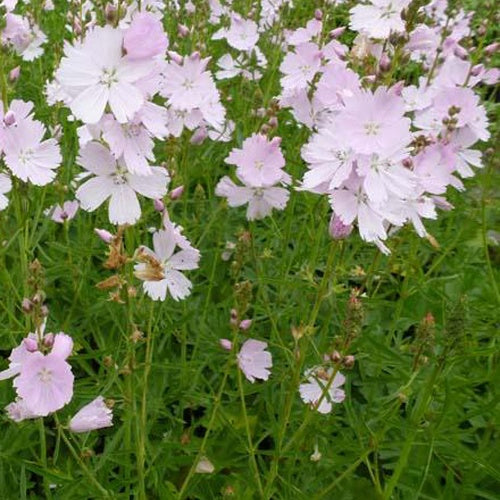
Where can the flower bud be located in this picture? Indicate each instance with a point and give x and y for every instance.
(176, 193)
(226, 344)
(27, 305)
(338, 230)
(105, 236)
(9, 118)
(349, 361)
(30, 344)
(245, 324)
(460, 52)
(492, 48)
(337, 32)
(48, 340)
(335, 356)
(159, 205)
(182, 31)
(199, 135)
(318, 14)
(14, 73)
(384, 62)
(273, 122)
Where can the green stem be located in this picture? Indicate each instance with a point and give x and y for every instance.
(251, 449)
(81, 463)
(43, 455)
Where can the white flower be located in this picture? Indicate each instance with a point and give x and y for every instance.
(160, 269)
(96, 73)
(113, 181)
(318, 379)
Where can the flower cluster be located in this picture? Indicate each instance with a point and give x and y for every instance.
(384, 155)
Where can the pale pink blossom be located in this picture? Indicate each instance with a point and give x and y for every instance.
(112, 180)
(260, 200)
(66, 212)
(95, 73)
(378, 18)
(301, 66)
(374, 123)
(27, 155)
(145, 37)
(321, 387)
(254, 361)
(95, 415)
(167, 276)
(45, 383)
(241, 35)
(259, 161)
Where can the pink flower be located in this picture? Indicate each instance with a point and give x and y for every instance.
(259, 161)
(261, 200)
(301, 66)
(303, 35)
(254, 361)
(460, 106)
(114, 182)
(374, 123)
(188, 85)
(45, 383)
(145, 37)
(27, 155)
(93, 416)
(242, 34)
(379, 18)
(317, 380)
(95, 74)
(67, 211)
(163, 274)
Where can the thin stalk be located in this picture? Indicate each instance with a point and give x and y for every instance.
(251, 450)
(81, 463)
(43, 455)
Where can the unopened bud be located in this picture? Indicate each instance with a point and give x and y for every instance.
(384, 62)
(338, 230)
(31, 345)
(273, 122)
(337, 32)
(226, 344)
(460, 52)
(245, 324)
(182, 31)
(110, 13)
(14, 73)
(176, 193)
(9, 118)
(105, 236)
(159, 205)
(318, 14)
(48, 340)
(199, 135)
(492, 48)
(27, 305)
(349, 361)
(335, 356)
